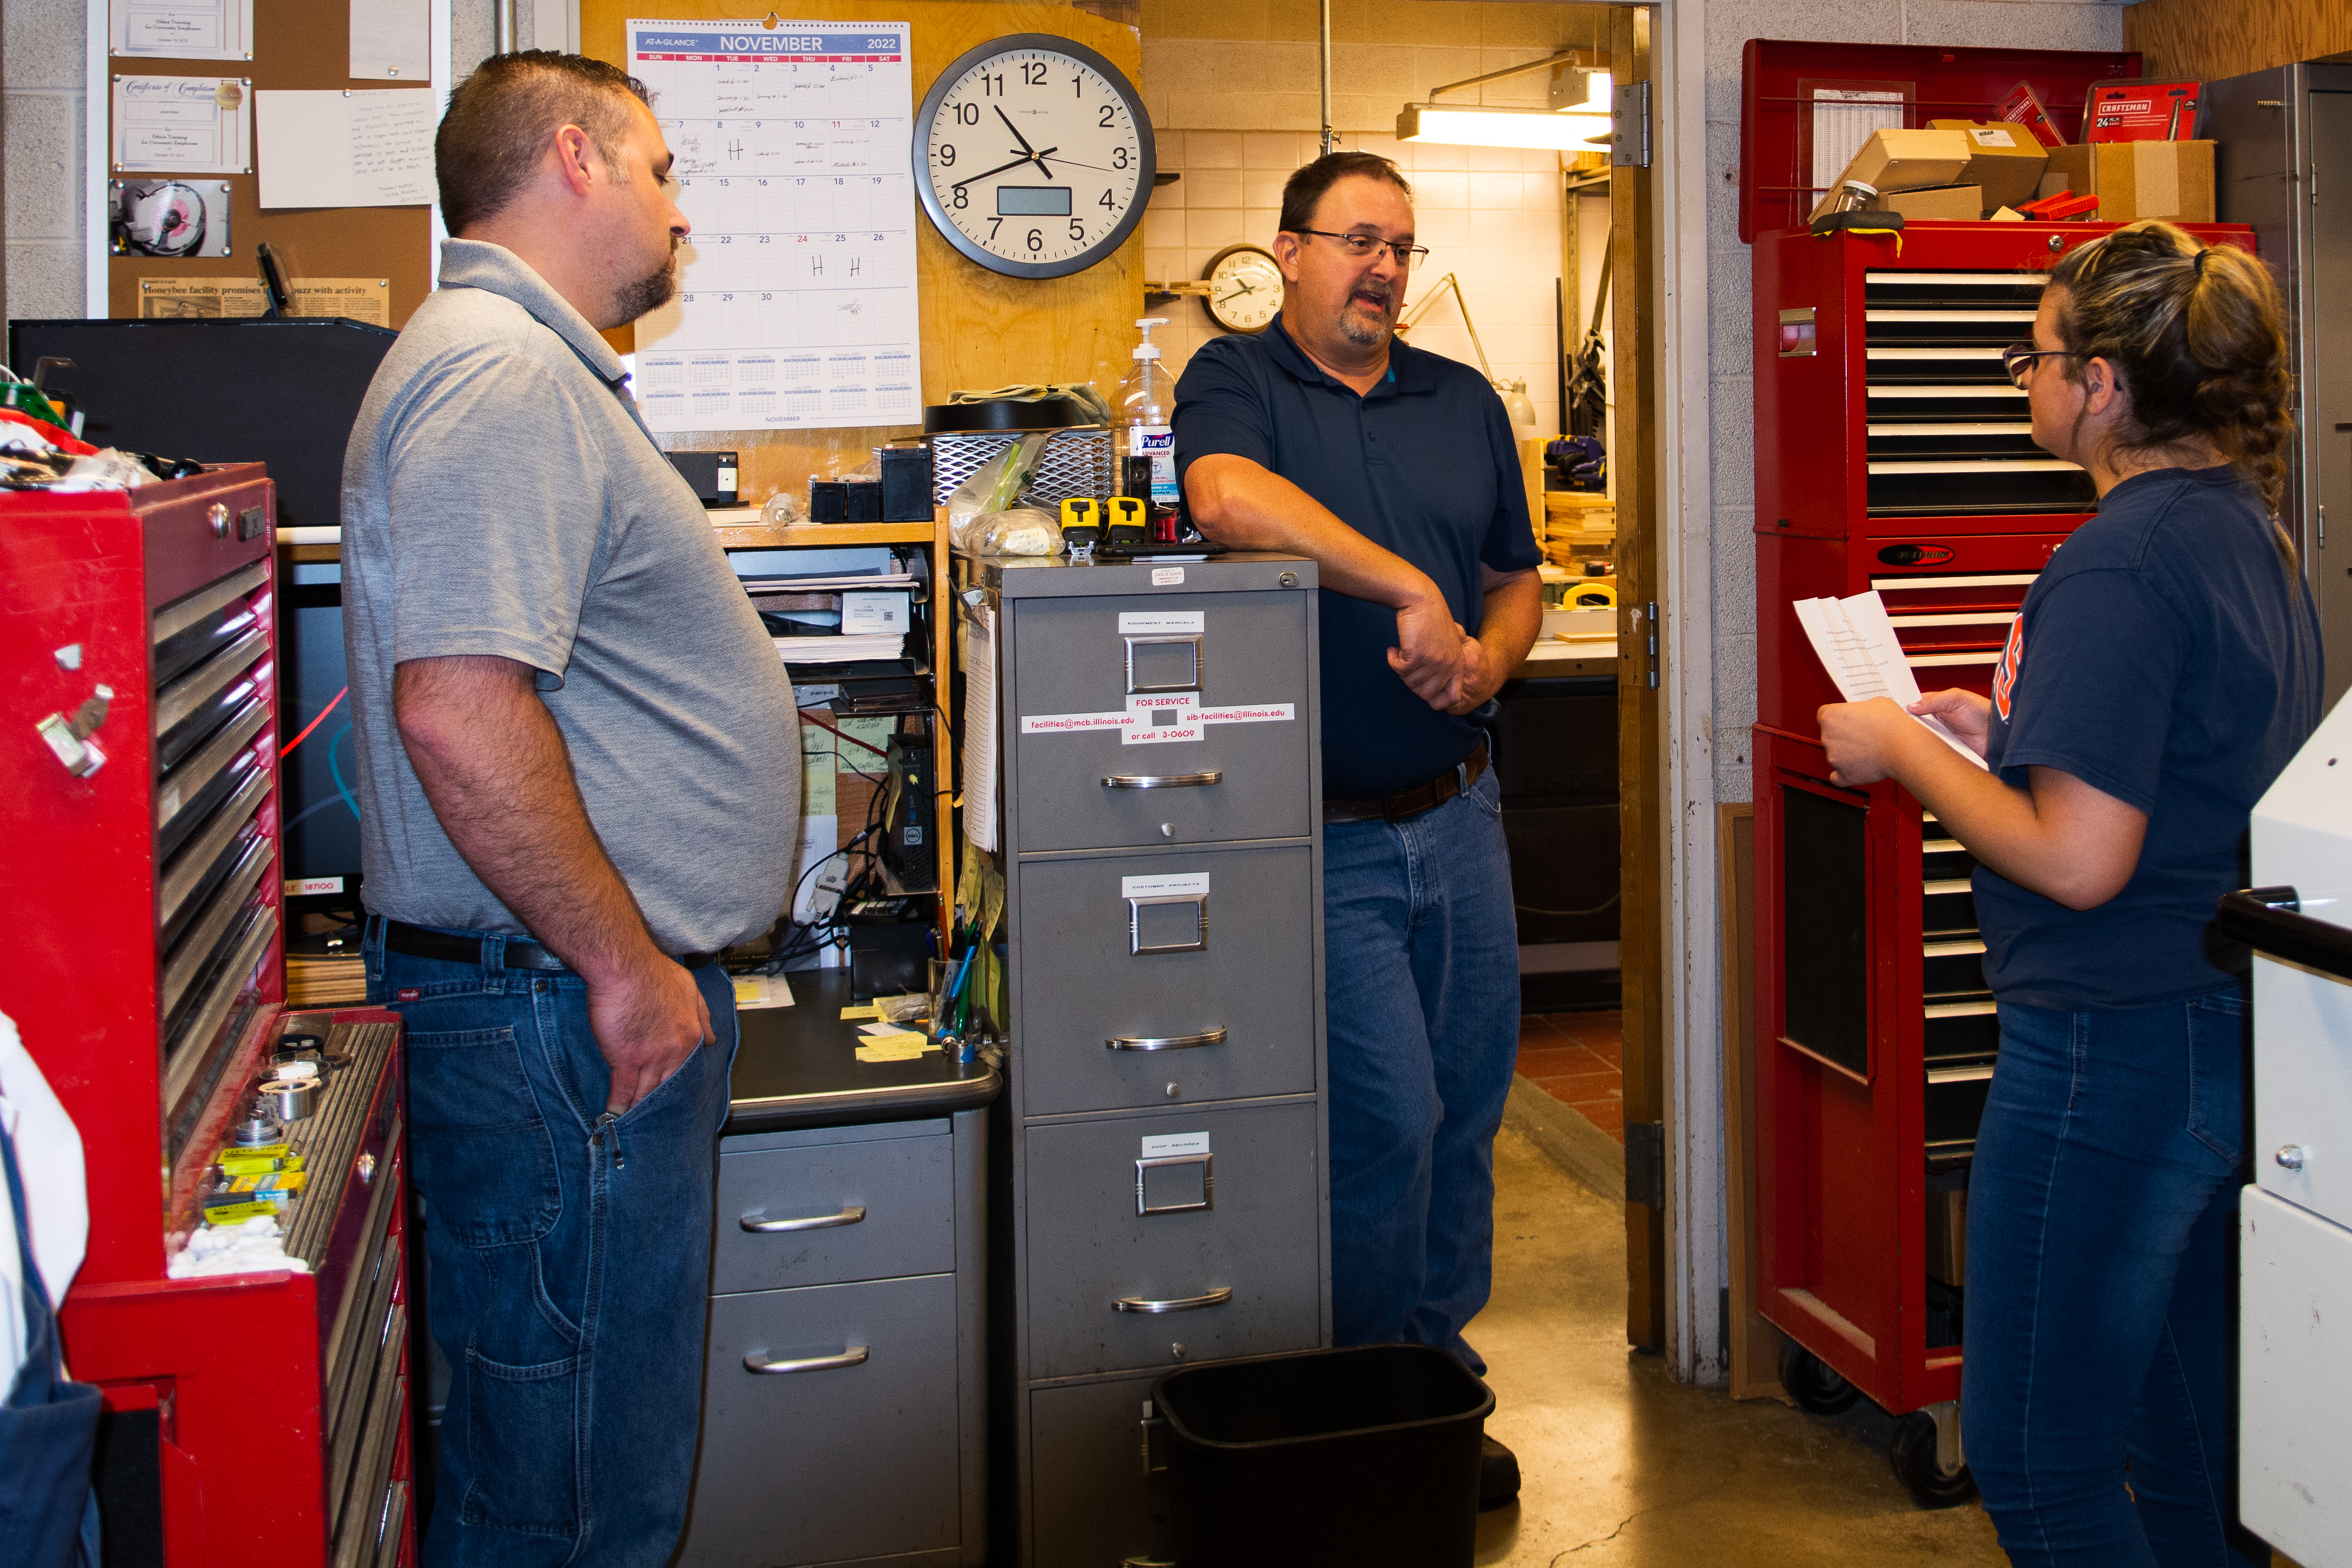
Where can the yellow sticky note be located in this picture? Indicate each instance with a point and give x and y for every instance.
(871, 1010)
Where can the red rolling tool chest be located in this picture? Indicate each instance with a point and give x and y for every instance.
(257, 1416)
(1891, 453)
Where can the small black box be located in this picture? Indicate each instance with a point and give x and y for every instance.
(828, 501)
(712, 475)
(864, 500)
(906, 483)
(911, 849)
(888, 958)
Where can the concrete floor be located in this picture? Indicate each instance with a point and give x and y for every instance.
(1621, 1464)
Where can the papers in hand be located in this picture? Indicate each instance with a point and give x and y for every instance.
(1858, 647)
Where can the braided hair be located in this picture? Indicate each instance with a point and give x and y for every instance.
(2194, 333)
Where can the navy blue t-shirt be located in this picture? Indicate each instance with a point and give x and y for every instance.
(2167, 657)
(1423, 464)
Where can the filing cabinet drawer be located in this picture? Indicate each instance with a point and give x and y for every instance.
(1091, 1503)
(1249, 780)
(1111, 1289)
(1233, 1017)
(836, 1462)
(867, 1210)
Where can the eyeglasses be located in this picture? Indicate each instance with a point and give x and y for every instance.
(1361, 245)
(2017, 358)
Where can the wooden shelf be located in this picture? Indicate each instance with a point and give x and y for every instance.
(758, 536)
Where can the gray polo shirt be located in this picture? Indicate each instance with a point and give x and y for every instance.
(500, 496)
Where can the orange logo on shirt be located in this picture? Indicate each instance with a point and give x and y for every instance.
(2012, 656)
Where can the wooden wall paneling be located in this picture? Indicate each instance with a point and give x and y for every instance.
(2197, 38)
(1755, 1343)
(1641, 772)
(981, 329)
(297, 44)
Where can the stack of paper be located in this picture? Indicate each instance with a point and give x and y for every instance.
(840, 649)
(1857, 644)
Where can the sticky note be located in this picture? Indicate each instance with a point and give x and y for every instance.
(871, 1010)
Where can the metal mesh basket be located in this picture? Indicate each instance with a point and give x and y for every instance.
(1077, 462)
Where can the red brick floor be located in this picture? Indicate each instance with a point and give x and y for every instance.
(1574, 1058)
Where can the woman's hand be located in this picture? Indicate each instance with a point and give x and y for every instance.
(1864, 739)
(1963, 713)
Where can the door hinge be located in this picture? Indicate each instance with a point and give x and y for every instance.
(1629, 116)
(1645, 1163)
(1653, 645)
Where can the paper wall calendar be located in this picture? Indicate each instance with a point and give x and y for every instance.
(796, 299)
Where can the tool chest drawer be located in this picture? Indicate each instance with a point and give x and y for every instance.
(820, 1211)
(1142, 720)
(1148, 1233)
(829, 1426)
(1189, 977)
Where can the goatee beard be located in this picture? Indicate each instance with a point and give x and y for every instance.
(1363, 327)
(649, 293)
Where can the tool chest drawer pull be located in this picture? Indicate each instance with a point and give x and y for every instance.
(1217, 1298)
(759, 1225)
(854, 1356)
(1215, 1037)
(1162, 780)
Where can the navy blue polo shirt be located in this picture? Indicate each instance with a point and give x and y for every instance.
(1423, 464)
(2167, 656)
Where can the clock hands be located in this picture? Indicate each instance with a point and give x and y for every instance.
(985, 174)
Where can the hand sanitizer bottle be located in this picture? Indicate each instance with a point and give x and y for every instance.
(1147, 403)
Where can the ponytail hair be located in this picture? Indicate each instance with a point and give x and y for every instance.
(2194, 333)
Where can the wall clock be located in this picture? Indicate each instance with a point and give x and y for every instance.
(1245, 288)
(1034, 155)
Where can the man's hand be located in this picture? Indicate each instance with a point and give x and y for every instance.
(1430, 651)
(648, 1018)
(1963, 712)
(1865, 740)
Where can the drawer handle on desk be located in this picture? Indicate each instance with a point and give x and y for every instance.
(1215, 1037)
(854, 1356)
(1162, 780)
(1217, 1298)
(758, 1226)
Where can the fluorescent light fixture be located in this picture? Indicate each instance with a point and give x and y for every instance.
(1536, 128)
(1597, 86)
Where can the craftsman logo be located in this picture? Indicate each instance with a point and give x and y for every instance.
(2012, 657)
(408, 994)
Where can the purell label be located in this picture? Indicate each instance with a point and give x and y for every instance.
(1158, 442)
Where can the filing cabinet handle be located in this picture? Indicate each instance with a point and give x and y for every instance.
(1162, 780)
(760, 1226)
(1215, 1037)
(1217, 1298)
(854, 1356)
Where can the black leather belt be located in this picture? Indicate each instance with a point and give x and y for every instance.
(521, 952)
(1406, 803)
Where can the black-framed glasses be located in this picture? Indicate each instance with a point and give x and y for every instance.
(1362, 245)
(2017, 358)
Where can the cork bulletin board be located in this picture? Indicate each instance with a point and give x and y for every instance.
(296, 44)
(980, 330)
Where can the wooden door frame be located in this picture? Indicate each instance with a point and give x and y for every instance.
(1671, 936)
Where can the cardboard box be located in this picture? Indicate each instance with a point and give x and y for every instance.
(2003, 158)
(2142, 111)
(1902, 160)
(1964, 202)
(2135, 179)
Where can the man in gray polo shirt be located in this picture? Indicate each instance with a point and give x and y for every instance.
(579, 779)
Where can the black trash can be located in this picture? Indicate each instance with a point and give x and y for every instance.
(1367, 1457)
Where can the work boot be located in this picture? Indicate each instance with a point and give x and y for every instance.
(1499, 1474)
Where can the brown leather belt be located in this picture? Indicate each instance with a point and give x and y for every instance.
(1409, 803)
(418, 942)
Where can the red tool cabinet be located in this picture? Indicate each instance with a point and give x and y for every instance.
(1891, 453)
(257, 1416)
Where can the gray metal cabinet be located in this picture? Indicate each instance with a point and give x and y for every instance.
(843, 1398)
(2283, 166)
(1166, 1189)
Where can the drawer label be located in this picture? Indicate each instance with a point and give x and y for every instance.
(1161, 1145)
(1162, 622)
(1155, 720)
(1194, 885)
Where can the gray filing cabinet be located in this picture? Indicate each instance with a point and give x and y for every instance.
(2283, 165)
(1166, 1190)
(843, 1396)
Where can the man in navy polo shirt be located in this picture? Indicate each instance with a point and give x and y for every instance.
(1396, 471)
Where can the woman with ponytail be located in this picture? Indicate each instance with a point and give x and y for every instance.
(2164, 668)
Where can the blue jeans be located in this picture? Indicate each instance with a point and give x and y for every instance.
(570, 1255)
(2102, 1213)
(1422, 987)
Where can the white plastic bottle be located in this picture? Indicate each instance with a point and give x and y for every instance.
(1147, 402)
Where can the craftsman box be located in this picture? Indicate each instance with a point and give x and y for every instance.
(2135, 179)
(2003, 159)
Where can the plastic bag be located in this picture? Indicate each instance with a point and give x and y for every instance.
(992, 487)
(1020, 530)
(783, 511)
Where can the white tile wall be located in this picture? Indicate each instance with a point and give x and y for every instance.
(1490, 217)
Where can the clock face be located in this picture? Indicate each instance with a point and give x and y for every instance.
(1034, 155)
(1245, 288)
